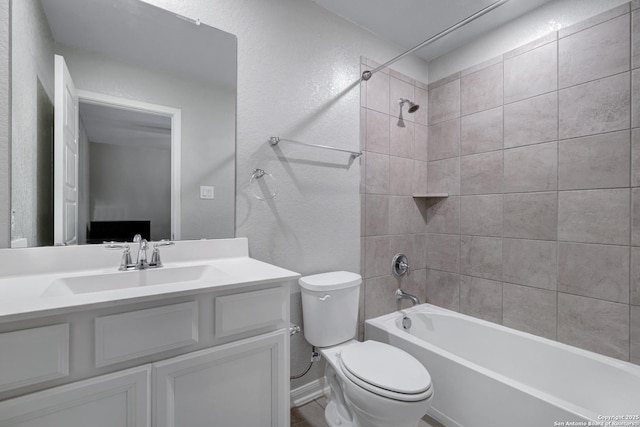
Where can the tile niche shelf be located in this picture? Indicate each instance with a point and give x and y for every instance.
(431, 196)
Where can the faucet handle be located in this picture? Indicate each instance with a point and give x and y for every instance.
(155, 256)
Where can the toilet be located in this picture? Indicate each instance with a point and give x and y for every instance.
(371, 384)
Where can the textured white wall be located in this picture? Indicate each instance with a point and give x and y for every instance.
(32, 61)
(550, 17)
(122, 173)
(298, 71)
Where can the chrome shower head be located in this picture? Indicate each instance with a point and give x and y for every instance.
(413, 107)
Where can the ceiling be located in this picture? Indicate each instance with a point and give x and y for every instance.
(408, 23)
(106, 124)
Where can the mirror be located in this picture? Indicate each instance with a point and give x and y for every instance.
(154, 149)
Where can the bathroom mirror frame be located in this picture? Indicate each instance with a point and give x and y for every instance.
(198, 220)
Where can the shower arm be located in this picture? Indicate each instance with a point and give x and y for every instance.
(366, 75)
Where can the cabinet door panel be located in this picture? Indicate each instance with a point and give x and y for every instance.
(114, 400)
(244, 383)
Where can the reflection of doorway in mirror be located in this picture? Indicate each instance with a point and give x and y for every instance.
(128, 176)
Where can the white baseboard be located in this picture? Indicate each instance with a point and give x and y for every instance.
(308, 392)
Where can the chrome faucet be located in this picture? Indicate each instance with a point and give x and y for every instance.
(141, 262)
(400, 295)
(400, 267)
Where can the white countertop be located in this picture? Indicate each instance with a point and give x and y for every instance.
(216, 265)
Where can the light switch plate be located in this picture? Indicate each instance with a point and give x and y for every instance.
(206, 192)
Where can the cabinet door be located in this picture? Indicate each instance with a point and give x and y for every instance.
(114, 400)
(245, 383)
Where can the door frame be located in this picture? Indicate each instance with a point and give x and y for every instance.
(175, 114)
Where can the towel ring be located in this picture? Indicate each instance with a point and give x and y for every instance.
(263, 185)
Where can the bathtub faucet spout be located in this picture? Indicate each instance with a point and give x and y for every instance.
(400, 295)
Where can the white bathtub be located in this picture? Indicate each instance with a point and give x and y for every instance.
(487, 375)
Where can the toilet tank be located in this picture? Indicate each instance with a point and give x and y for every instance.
(330, 307)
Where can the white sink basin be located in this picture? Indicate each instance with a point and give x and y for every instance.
(131, 279)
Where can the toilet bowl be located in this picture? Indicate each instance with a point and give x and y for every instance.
(387, 387)
(371, 384)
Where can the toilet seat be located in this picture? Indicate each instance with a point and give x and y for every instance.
(386, 371)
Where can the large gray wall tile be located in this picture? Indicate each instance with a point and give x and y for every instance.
(481, 298)
(443, 176)
(596, 271)
(531, 168)
(635, 98)
(401, 138)
(481, 173)
(530, 216)
(443, 216)
(594, 216)
(443, 289)
(443, 252)
(635, 216)
(598, 51)
(377, 130)
(635, 39)
(530, 262)
(444, 140)
(531, 121)
(481, 215)
(444, 102)
(419, 177)
(530, 74)
(377, 258)
(635, 335)
(421, 142)
(481, 90)
(598, 161)
(401, 172)
(635, 276)
(378, 93)
(421, 98)
(530, 310)
(635, 158)
(595, 107)
(378, 296)
(481, 132)
(376, 211)
(595, 325)
(376, 173)
(405, 216)
(481, 257)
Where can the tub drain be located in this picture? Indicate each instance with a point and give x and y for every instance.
(406, 322)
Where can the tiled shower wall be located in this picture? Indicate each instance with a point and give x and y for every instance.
(394, 167)
(539, 150)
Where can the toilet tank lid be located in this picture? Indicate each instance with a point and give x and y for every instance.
(330, 281)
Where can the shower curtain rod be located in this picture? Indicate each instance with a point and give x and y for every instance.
(366, 75)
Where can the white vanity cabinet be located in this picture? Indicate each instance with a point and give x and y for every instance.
(115, 400)
(200, 342)
(238, 384)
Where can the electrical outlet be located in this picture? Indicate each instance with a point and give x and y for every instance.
(206, 192)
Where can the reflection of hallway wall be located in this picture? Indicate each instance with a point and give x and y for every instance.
(130, 183)
(44, 169)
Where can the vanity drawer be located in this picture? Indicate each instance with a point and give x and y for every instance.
(250, 310)
(140, 333)
(31, 356)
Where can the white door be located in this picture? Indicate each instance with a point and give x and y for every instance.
(245, 383)
(115, 400)
(65, 158)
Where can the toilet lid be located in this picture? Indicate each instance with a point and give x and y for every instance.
(374, 365)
